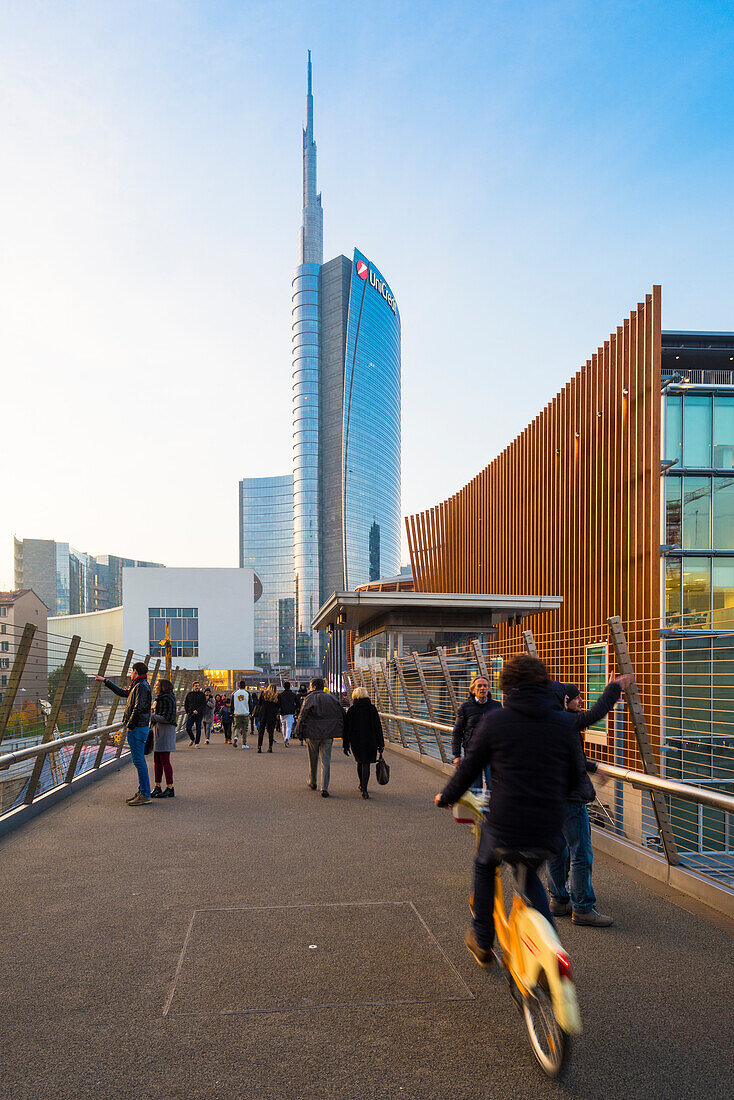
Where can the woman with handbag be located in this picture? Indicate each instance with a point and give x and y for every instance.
(267, 715)
(163, 728)
(363, 735)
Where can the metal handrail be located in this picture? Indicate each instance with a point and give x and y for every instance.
(54, 745)
(688, 791)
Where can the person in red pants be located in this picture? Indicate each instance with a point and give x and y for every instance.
(163, 724)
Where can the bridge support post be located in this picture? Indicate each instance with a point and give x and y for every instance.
(429, 705)
(91, 704)
(19, 662)
(53, 717)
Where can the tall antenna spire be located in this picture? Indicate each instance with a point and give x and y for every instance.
(311, 234)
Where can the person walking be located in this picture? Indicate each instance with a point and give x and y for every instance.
(207, 720)
(194, 708)
(254, 699)
(163, 724)
(241, 707)
(363, 735)
(226, 713)
(135, 721)
(287, 703)
(479, 703)
(569, 872)
(267, 714)
(320, 720)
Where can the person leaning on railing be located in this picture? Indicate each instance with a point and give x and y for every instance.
(135, 722)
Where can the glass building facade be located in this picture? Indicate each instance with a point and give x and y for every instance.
(266, 545)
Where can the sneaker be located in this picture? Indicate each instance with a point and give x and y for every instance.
(245, 745)
(169, 793)
(140, 800)
(483, 957)
(560, 908)
(235, 742)
(324, 794)
(592, 919)
(270, 749)
(207, 741)
(191, 744)
(156, 793)
(311, 786)
(132, 797)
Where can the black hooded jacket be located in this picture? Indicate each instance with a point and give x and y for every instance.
(536, 759)
(582, 719)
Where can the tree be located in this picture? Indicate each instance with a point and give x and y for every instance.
(74, 689)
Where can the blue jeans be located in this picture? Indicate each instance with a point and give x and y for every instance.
(136, 740)
(573, 866)
(476, 787)
(485, 866)
(191, 721)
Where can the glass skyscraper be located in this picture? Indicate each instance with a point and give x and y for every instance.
(346, 417)
(266, 545)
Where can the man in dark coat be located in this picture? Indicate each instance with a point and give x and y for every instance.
(320, 720)
(536, 761)
(135, 722)
(287, 704)
(194, 706)
(572, 866)
(363, 735)
(479, 703)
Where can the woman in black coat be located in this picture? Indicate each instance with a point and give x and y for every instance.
(363, 735)
(267, 716)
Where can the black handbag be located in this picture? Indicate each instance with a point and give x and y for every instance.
(149, 742)
(382, 771)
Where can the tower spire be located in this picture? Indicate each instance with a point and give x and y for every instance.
(311, 235)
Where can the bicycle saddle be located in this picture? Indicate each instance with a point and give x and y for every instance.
(529, 857)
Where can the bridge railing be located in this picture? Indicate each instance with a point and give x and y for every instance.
(60, 721)
(667, 749)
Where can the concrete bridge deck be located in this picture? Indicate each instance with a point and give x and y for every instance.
(251, 939)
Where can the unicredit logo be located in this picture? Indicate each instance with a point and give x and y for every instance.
(362, 269)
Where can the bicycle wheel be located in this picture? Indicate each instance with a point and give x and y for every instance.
(549, 1041)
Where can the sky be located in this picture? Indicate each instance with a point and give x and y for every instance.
(521, 173)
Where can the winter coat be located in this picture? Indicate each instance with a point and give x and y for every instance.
(195, 700)
(241, 702)
(466, 722)
(582, 719)
(536, 759)
(287, 702)
(208, 712)
(320, 718)
(363, 731)
(163, 722)
(137, 707)
(267, 715)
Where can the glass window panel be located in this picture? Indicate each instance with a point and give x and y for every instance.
(674, 428)
(697, 430)
(723, 617)
(673, 591)
(714, 829)
(171, 612)
(154, 612)
(696, 592)
(672, 697)
(723, 689)
(596, 677)
(673, 491)
(696, 762)
(695, 695)
(696, 513)
(684, 820)
(723, 501)
(723, 432)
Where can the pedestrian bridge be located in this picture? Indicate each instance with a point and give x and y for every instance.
(250, 939)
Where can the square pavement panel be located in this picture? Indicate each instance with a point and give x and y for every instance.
(285, 958)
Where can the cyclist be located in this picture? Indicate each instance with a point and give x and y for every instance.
(536, 760)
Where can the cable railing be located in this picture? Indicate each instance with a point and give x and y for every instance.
(665, 752)
(58, 721)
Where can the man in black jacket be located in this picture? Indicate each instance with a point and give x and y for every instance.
(287, 703)
(135, 722)
(572, 866)
(536, 761)
(320, 720)
(479, 703)
(194, 706)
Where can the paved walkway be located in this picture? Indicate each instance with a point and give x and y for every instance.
(251, 939)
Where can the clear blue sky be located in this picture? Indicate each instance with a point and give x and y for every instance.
(521, 172)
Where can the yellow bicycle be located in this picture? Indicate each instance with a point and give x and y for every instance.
(537, 969)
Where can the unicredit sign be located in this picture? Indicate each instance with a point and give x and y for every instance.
(366, 272)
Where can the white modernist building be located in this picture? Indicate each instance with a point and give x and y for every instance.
(210, 612)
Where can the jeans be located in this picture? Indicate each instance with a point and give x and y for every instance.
(286, 721)
(191, 721)
(573, 865)
(476, 787)
(136, 739)
(485, 866)
(319, 750)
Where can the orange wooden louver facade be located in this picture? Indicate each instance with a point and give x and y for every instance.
(572, 508)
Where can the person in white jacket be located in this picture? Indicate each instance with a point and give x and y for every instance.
(240, 701)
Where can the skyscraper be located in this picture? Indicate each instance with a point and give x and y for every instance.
(346, 437)
(346, 416)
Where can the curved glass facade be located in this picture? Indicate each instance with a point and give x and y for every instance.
(266, 545)
(305, 341)
(371, 429)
